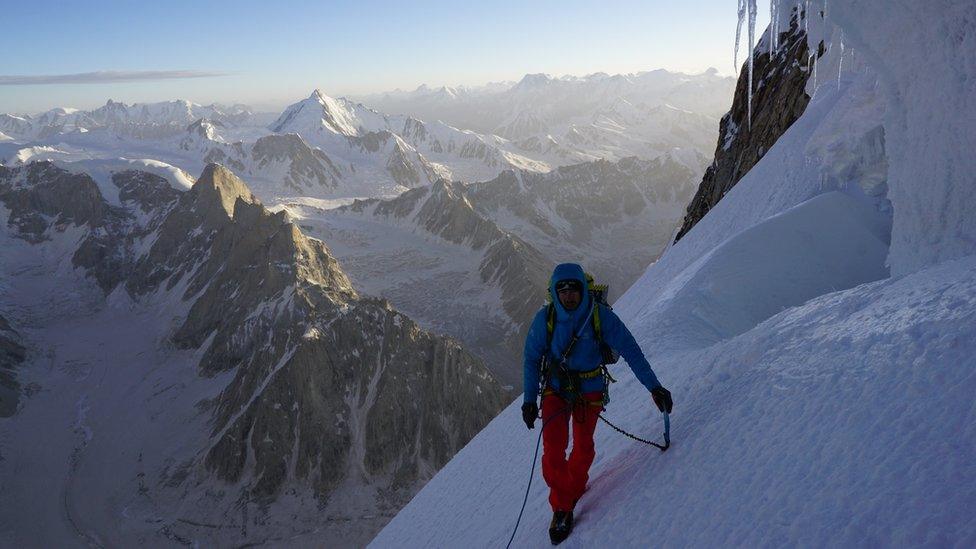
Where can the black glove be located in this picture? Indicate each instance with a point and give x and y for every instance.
(529, 412)
(662, 397)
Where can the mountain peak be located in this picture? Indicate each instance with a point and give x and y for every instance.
(219, 185)
(317, 95)
(534, 81)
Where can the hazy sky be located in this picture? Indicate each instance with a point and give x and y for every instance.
(268, 54)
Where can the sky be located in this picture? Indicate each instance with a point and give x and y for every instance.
(269, 54)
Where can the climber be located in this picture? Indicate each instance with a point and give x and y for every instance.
(569, 372)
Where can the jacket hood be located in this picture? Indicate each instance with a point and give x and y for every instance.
(567, 271)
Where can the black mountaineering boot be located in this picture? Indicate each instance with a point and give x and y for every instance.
(560, 527)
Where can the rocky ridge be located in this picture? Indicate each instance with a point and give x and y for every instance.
(778, 98)
(321, 381)
(613, 217)
(495, 293)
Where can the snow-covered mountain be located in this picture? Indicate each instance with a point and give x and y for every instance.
(320, 147)
(560, 99)
(327, 148)
(183, 365)
(473, 260)
(576, 119)
(141, 120)
(439, 149)
(817, 328)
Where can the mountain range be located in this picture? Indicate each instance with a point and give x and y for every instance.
(205, 369)
(325, 147)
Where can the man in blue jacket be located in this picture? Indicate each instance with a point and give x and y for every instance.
(574, 385)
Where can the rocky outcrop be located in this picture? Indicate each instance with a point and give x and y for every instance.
(778, 100)
(449, 215)
(613, 217)
(508, 262)
(318, 368)
(41, 195)
(469, 278)
(305, 166)
(12, 353)
(44, 200)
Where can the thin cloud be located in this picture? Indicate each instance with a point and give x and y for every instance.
(102, 77)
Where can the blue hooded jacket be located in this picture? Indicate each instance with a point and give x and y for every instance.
(585, 355)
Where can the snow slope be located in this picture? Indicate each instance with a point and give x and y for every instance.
(830, 424)
(818, 401)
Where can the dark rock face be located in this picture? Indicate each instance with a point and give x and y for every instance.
(778, 100)
(613, 217)
(306, 165)
(44, 198)
(42, 195)
(149, 191)
(12, 353)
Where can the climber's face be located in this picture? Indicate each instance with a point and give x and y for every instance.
(569, 298)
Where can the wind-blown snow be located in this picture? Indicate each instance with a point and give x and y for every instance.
(927, 73)
(817, 401)
(101, 170)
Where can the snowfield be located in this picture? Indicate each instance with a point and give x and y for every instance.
(848, 421)
(819, 401)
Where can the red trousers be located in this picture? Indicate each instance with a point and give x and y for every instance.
(567, 477)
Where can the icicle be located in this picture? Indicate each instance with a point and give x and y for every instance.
(774, 23)
(840, 62)
(772, 27)
(752, 44)
(814, 74)
(806, 17)
(738, 32)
